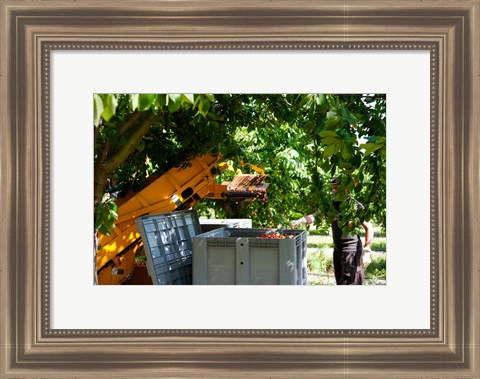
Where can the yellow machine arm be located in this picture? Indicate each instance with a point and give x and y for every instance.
(254, 168)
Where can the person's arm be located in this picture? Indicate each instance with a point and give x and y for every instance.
(309, 219)
(367, 248)
(368, 235)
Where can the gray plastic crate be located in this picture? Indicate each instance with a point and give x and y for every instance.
(167, 240)
(238, 256)
(212, 224)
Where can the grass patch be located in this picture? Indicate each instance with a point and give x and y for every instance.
(315, 232)
(378, 231)
(326, 242)
(141, 259)
(319, 245)
(377, 268)
(320, 262)
(379, 245)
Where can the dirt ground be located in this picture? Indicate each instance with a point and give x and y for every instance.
(329, 280)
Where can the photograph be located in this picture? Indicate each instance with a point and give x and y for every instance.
(240, 189)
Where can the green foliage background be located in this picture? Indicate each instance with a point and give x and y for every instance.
(302, 141)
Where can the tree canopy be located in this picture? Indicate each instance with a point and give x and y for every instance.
(301, 141)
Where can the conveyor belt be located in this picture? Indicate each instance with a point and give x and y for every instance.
(247, 186)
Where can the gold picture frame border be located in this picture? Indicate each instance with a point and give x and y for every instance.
(32, 29)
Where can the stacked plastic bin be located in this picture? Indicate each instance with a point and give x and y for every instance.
(241, 256)
(167, 239)
(212, 224)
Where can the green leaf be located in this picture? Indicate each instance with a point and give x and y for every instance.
(110, 104)
(174, 102)
(204, 106)
(346, 166)
(348, 116)
(188, 98)
(141, 146)
(328, 133)
(382, 140)
(305, 100)
(97, 109)
(133, 101)
(361, 118)
(326, 165)
(321, 99)
(99, 221)
(113, 214)
(332, 122)
(160, 101)
(370, 147)
(345, 153)
(104, 230)
(331, 149)
(331, 140)
(145, 101)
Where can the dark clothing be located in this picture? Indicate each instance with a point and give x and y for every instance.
(348, 269)
(347, 253)
(341, 242)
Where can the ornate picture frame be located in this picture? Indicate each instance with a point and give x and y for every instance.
(31, 30)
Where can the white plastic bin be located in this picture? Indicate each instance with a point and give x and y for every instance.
(239, 256)
(212, 224)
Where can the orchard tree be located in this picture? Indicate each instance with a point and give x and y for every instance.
(139, 134)
(348, 134)
(303, 142)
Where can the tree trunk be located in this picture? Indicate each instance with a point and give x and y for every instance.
(109, 160)
(234, 209)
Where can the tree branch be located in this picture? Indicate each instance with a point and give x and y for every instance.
(134, 118)
(133, 139)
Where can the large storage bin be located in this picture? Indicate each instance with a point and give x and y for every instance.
(167, 240)
(240, 256)
(212, 224)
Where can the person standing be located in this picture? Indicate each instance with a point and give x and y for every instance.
(350, 257)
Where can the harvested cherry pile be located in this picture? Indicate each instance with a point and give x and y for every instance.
(276, 235)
